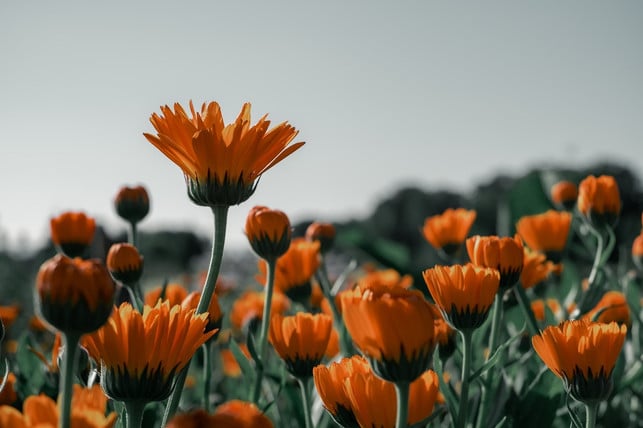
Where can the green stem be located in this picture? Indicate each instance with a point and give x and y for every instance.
(135, 411)
(496, 323)
(70, 342)
(207, 374)
(137, 300)
(591, 410)
(220, 220)
(344, 337)
(523, 301)
(265, 323)
(305, 397)
(402, 396)
(467, 356)
(597, 256)
(132, 234)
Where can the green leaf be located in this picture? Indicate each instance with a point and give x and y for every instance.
(446, 389)
(30, 370)
(246, 368)
(493, 360)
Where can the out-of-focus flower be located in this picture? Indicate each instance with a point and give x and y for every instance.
(538, 308)
(612, 307)
(637, 251)
(231, 366)
(546, 232)
(74, 295)
(221, 163)
(583, 355)
(132, 203)
(72, 232)
(504, 254)
(564, 194)
(386, 278)
(124, 263)
(232, 414)
(8, 315)
(249, 306)
(37, 324)
(536, 268)
(215, 316)
(174, 293)
(599, 200)
(322, 232)
(447, 231)
(8, 394)
(268, 232)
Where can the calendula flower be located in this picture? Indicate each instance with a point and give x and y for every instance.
(215, 316)
(72, 232)
(232, 414)
(387, 277)
(8, 394)
(8, 315)
(249, 306)
(564, 194)
(546, 232)
(294, 270)
(221, 163)
(447, 231)
(612, 307)
(300, 340)
(583, 355)
(174, 293)
(637, 251)
(132, 203)
(504, 254)
(74, 295)
(231, 366)
(268, 232)
(378, 320)
(538, 308)
(599, 200)
(322, 232)
(464, 293)
(124, 263)
(139, 354)
(536, 268)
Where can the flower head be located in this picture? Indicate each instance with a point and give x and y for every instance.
(124, 263)
(447, 231)
(564, 194)
(221, 163)
(215, 316)
(231, 414)
(132, 203)
(268, 232)
(464, 293)
(504, 254)
(612, 307)
(8, 315)
(322, 232)
(546, 232)
(599, 199)
(386, 277)
(249, 307)
(174, 293)
(536, 268)
(72, 232)
(637, 251)
(539, 307)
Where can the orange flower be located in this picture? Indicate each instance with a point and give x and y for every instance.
(612, 307)
(504, 254)
(564, 194)
(125, 263)
(464, 293)
(545, 232)
(294, 270)
(139, 354)
(8, 394)
(268, 232)
(37, 324)
(599, 199)
(215, 316)
(637, 251)
(72, 232)
(396, 352)
(174, 293)
(333, 344)
(231, 366)
(387, 278)
(322, 232)
(232, 414)
(536, 268)
(538, 308)
(250, 305)
(74, 295)
(300, 340)
(8, 315)
(583, 355)
(132, 203)
(447, 231)
(221, 163)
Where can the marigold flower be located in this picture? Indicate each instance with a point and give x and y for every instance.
(599, 199)
(240, 414)
(231, 366)
(538, 308)
(268, 232)
(132, 203)
(124, 263)
(583, 355)
(564, 194)
(74, 295)
(215, 316)
(387, 278)
(221, 163)
(637, 251)
(504, 254)
(536, 268)
(250, 304)
(546, 232)
(8, 394)
(396, 352)
(447, 231)
(72, 232)
(174, 293)
(322, 232)
(464, 293)
(139, 354)
(612, 307)
(8, 315)
(294, 270)
(300, 340)
(333, 344)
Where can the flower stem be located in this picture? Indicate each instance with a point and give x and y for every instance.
(132, 234)
(467, 356)
(305, 397)
(402, 396)
(265, 323)
(523, 301)
(134, 411)
(344, 337)
(207, 374)
(70, 341)
(591, 410)
(496, 322)
(220, 213)
(598, 255)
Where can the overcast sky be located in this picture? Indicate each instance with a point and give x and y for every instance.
(437, 94)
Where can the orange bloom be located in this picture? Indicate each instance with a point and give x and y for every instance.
(215, 316)
(231, 366)
(232, 414)
(300, 340)
(333, 344)
(125, 263)
(564, 194)
(72, 232)
(583, 355)
(447, 231)
(139, 354)
(395, 351)
(74, 295)
(536, 268)
(545, 232)
(387, 278)
(8, 315)
(504, 254)
(8, 394)
(322, 232)
(599, 199)
(637, 251)
(132, 203)
(464, 293)
(612, 307)
(538, 308)
(250, 306)
(174, 293)
(268, 232)
(221, 163)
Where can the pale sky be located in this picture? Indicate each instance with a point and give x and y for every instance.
(436, 94)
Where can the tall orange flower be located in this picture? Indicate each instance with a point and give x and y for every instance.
(502, 253)
(583, 355)
(132, 203)
(268, 232)
(447, 231)
(396, 352)
(599, 199)
(536, 268)
(72, 232)
(564, 194)
(612, 307)
(221, 163)
(249, 306)
(546, 232)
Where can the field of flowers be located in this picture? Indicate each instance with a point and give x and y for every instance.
(537, 325)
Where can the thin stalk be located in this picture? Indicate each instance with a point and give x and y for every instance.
(402, 396)
(523, 301)
(265, 323)
(597, 256)
(220, 213)
(70, 341)
(467, 356)
(496, 322)
(132, 234)
(305, 398)
(591, 410)
(134, 411)
(207, 374)
(344, 337)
